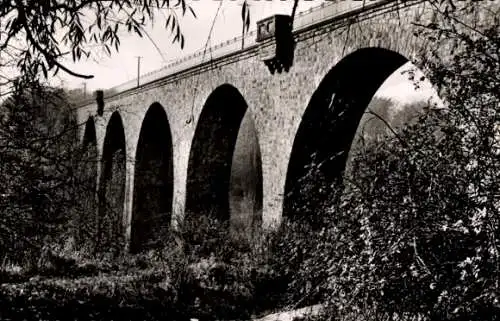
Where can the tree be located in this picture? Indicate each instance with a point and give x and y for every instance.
(35, 35)
(418, 230)
(37, 151)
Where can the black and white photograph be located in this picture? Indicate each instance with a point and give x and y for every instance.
(250, 160)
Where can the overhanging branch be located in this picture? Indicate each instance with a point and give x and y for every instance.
(48, 57)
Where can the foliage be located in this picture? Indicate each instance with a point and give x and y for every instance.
(36, 150)
(228, 276)
(371, 126)
(201, 282)
(417, 230)
(96, 298)
(299, 250)
(50, 190)
(38, 34)
(416, 233)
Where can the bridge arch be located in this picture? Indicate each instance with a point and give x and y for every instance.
(224, 170)
(111, 192)
(86, 186)
(153, 180)
(329, 123)
(89, 134)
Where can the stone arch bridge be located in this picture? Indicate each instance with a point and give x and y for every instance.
(220, 133)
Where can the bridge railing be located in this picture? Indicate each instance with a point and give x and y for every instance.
(305, 19)
(196, 58)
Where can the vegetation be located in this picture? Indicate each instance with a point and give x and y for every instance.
(416, 233)
(37, 35)
(36, 135)
(219, 279)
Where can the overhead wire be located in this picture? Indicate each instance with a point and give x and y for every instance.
(205, 48)
(143, 30)
(191, 117)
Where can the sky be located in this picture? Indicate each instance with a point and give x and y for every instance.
(122, 66)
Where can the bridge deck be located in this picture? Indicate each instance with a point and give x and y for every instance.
(323, 14)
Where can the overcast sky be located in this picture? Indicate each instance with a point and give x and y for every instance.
(122, 66)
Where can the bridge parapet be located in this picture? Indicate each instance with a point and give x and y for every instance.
(271, 114)
(303, 21)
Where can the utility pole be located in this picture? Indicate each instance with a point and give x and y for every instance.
(138, 69)
(84, 89)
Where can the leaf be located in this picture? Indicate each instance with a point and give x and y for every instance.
(168, 21)
(243, 10)
(245, 16)
(192, 12)
(44, 70)
(174, 22)
(138, 31)
(247, 22)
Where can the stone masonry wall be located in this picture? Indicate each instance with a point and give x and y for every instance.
(275, 102)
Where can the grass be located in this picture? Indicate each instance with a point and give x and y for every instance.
(206, 272)
(210, 275)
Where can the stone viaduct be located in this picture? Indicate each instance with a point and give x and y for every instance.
(219, 133)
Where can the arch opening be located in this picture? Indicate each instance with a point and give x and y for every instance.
(112, 187)
(89, 136)
(86, 188)
(153, 181)
(321, 147)
(225, 171)
(245, 192)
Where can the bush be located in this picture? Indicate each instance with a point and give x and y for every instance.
(416, 233)
(99, 298)
(226, 276)
(418, 227)
(37, 136)
(211, 276)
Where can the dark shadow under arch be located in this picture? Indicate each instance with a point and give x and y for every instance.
(153, 181)
(245, 192)
(224, 151)
(324, 137)
(89, 136)
(112, 187)
(86, 187)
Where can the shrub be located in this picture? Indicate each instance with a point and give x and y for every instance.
(37, 136)
(98, 298)
(416, 233)
(418, 226)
